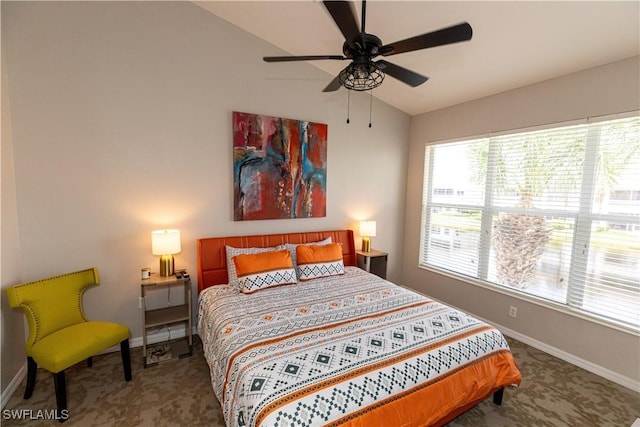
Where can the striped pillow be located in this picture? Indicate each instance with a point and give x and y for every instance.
(264, 270)
(319, 261)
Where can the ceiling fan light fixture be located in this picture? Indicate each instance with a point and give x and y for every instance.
(361, 77)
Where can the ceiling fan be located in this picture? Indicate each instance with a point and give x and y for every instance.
(363, 73)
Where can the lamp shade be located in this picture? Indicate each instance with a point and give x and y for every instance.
(368, 228)
(165, 242)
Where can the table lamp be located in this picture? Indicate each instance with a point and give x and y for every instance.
(165, 243)
(367, 230)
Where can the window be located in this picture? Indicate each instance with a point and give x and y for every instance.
(551, 213)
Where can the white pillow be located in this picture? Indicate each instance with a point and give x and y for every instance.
(232, 274)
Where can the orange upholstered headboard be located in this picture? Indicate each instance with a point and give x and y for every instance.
(212, 260)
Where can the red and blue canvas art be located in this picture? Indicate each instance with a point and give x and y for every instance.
(279, 167)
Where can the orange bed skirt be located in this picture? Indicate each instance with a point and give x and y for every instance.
(439, 401)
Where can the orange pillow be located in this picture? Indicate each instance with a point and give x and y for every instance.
(264, 270)
(319, 261)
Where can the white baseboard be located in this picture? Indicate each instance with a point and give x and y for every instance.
(164, 334)
(159, 336)
(13, 385)
(574, 360)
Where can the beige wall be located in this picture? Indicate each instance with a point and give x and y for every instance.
(121, 119)
(12, 322)
(603, 90)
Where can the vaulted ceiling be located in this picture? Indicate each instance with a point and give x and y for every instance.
(514, 44)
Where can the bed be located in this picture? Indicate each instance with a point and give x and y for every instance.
(341, 347)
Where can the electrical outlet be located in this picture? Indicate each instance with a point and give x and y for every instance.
(139, 302)
(513, 311)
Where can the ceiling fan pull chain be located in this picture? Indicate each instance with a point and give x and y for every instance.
(370, 103)
(348, 104)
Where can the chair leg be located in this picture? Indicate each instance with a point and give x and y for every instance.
(61, 391)
(32, 369)
(126, 359)
(90, 361)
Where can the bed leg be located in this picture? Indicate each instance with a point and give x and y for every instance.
(497, 396)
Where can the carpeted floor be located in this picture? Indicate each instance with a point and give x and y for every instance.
(178, 393)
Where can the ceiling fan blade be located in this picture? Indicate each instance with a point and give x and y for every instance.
(404, 75)
(454, 34)
(300, 58)
(333, 86)
(345, 19)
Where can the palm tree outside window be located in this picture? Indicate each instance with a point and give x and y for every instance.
(546, 213)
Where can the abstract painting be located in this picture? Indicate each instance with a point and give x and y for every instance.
(279, 167)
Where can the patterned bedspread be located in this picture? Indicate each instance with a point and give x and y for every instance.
(346, 349)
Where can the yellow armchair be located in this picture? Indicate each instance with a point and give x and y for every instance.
(60, 335)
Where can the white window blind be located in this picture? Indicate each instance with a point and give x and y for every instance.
(553, 213)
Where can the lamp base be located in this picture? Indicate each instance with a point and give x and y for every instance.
(366, 244)
(166, 265)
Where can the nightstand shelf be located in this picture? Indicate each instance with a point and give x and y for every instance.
(166, 316)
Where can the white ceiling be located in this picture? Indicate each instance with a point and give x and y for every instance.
(514, 44)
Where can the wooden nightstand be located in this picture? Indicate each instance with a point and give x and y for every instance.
(166, 316)
(374, 262)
